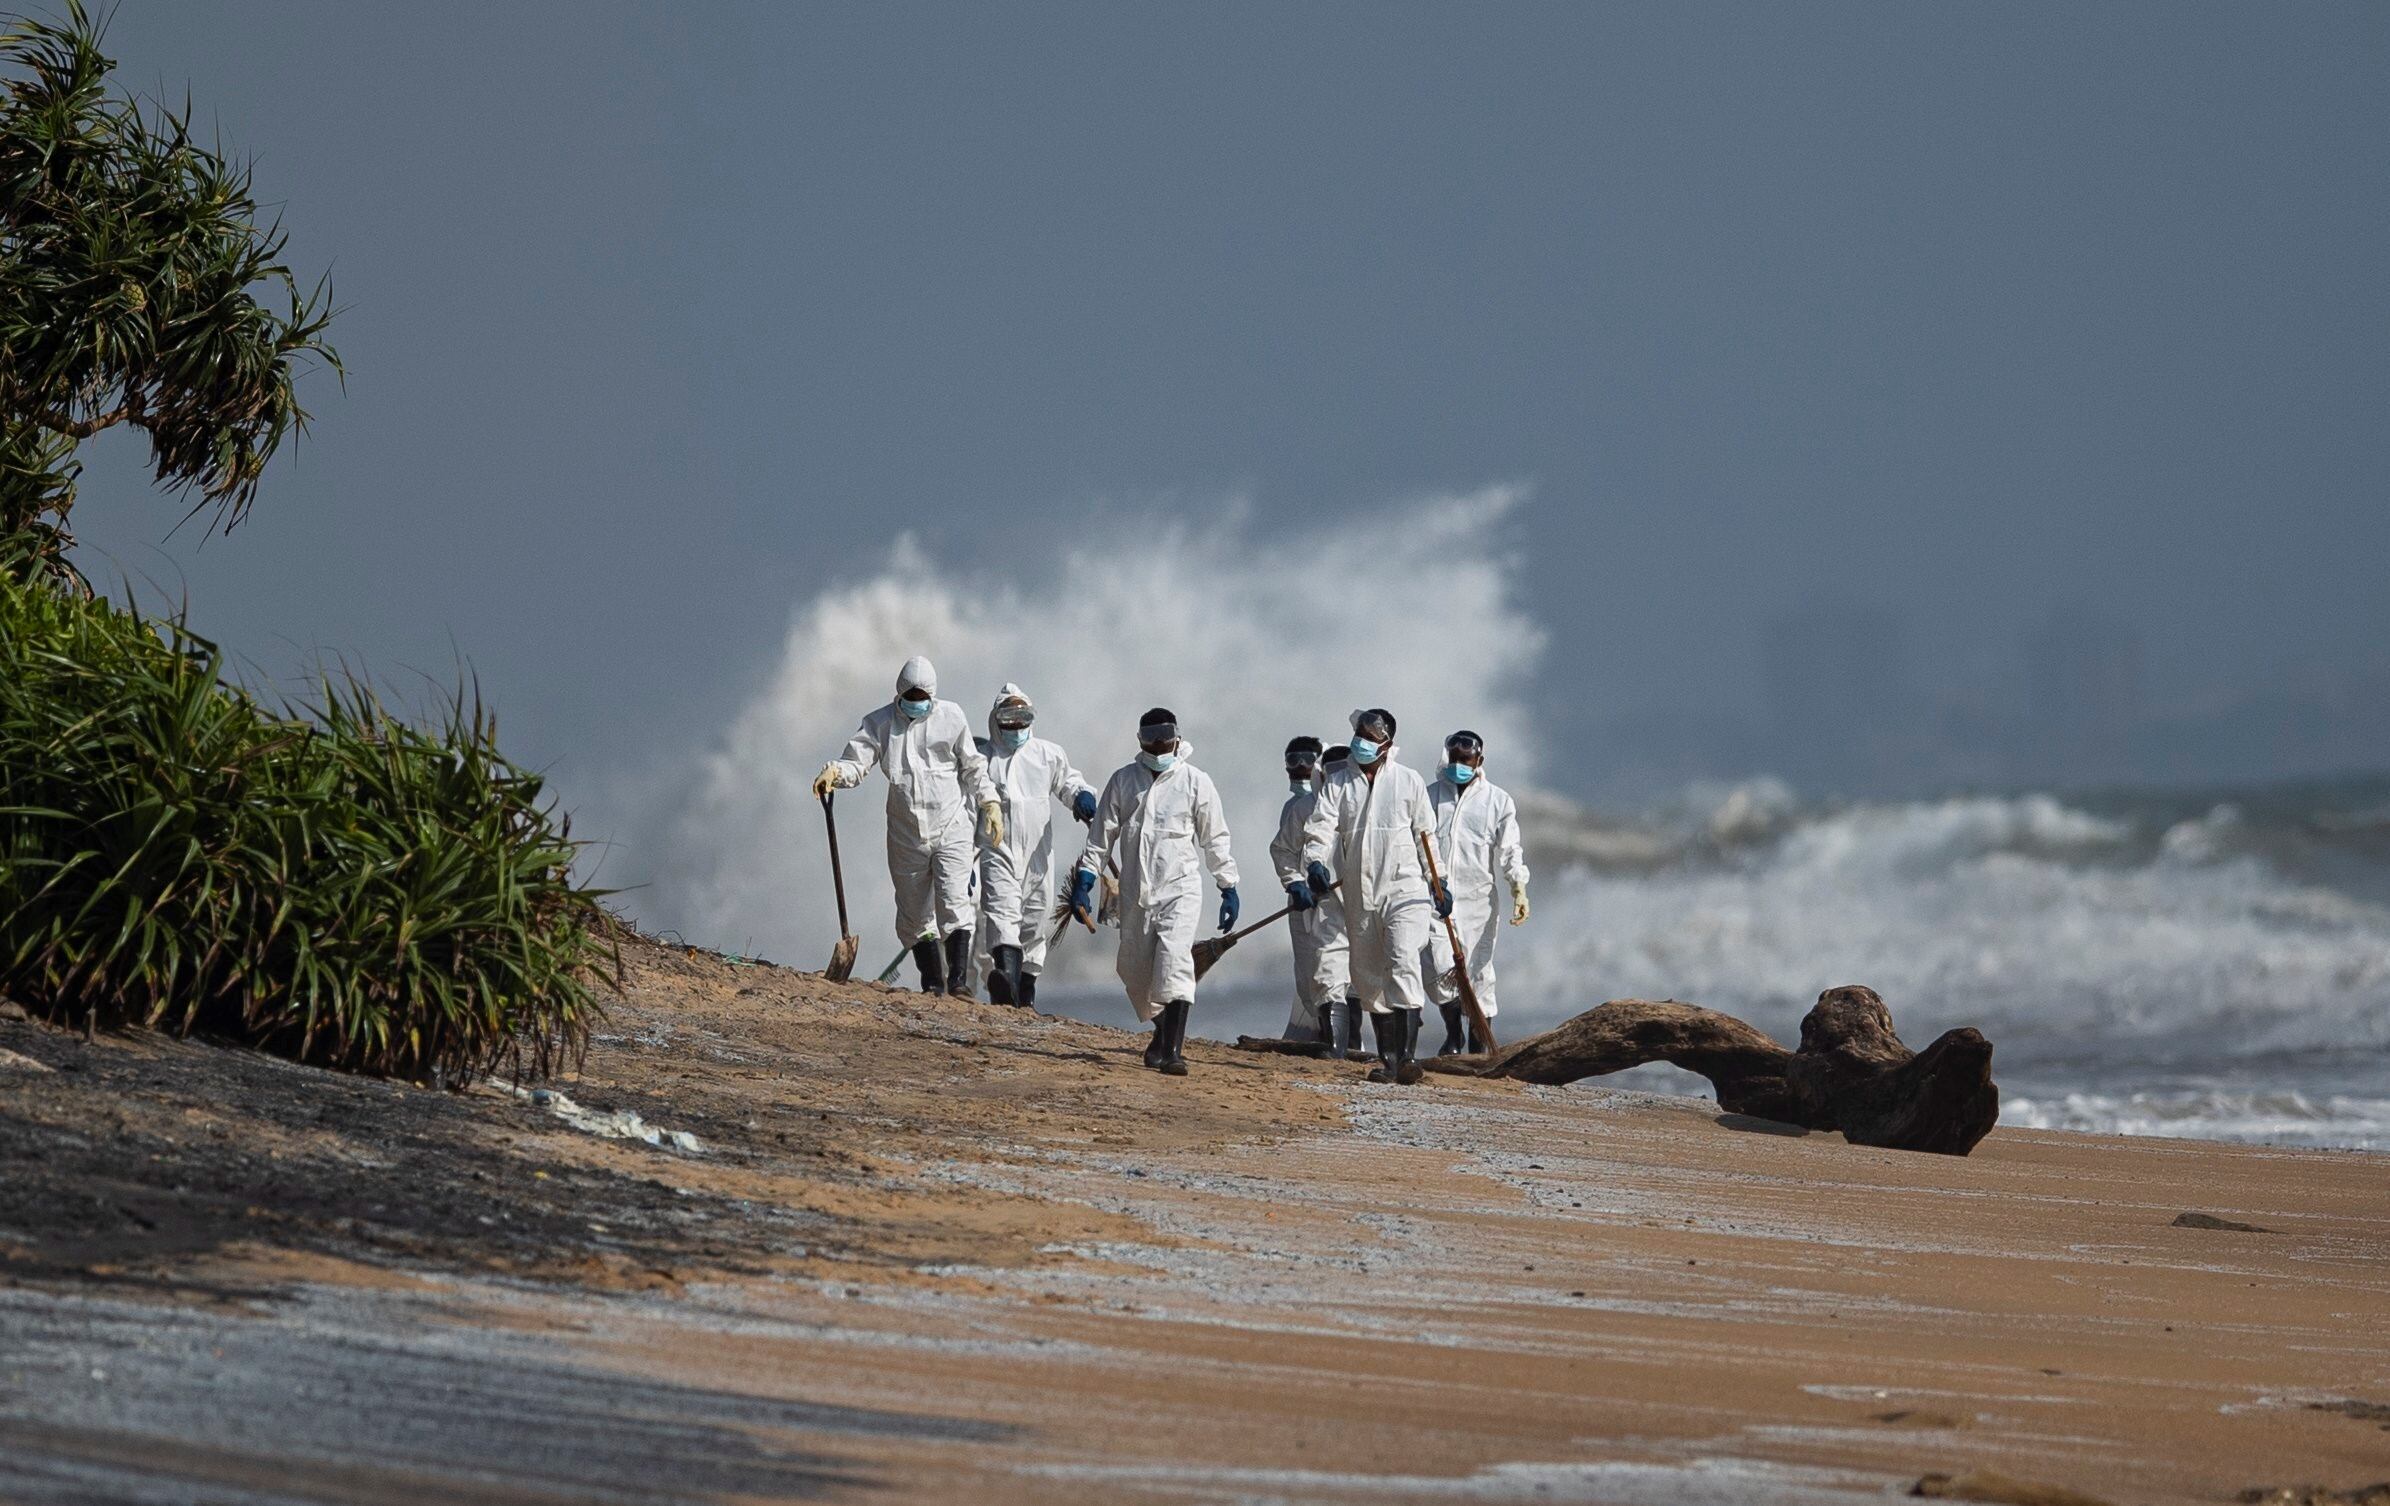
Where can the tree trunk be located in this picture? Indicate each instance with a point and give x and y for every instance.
(1851, 1074)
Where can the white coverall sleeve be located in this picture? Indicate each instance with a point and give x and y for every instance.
(1068, 781)
(1319, 833)
(1108, 814)
(1286, 849)
(1211, 834)
(1510, 850)
(1423, 825)
(972, 769)
(860, 757)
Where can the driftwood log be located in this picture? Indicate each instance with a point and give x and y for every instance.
(1851, 1073)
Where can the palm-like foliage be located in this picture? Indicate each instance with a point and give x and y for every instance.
(137, 286)
(332, 882)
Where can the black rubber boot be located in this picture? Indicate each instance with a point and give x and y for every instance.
(1387, 1031)
(1476, 1040)
(933, 970)
(1027, 992)
(1159, 1045)
(1348, 1039)
(1406, 1067)
(1007, 976)
(958, 963)
(1174, 1052)
(1452, 1031)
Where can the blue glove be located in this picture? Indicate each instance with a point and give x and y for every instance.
(1298, 896)
(1443, 897)
(1228, 907)
(1083, 805)
(1083, 896)
(1320, 882)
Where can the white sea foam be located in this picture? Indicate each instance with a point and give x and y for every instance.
(1246, 631)
(2023, 916)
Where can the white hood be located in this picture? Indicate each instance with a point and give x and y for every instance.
(1010, 692)
(918, 674)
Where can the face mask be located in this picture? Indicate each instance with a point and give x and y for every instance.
(1459, 773)
(1012, 739)
(1365, 751)
(1160, 763)
(1299, 786)
(915, 709)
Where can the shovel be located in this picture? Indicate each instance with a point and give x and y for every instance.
(842, 956)
(1460, 963)
(1212, 950)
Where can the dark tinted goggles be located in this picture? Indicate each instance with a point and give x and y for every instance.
(1158, 732)
(1464, 745)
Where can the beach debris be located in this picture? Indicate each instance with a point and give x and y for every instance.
(2363, 1411)
(1990, 1485)
(1917, 1417)
(606, 1124)
(1852, 1073)
(10, 1060)
(10, 1009)
(2210, 1221)
(2376, 1494)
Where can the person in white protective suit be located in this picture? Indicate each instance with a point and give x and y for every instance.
(1316, 926)
(924, 746)
(1158, 825)
(1371, 820)
(1477, 835)
(1016, 875)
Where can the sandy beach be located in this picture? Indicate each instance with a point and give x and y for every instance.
(916, 1249)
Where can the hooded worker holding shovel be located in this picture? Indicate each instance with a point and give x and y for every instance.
(924, 746)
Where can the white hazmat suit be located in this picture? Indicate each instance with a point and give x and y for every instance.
(1155, 834)
(1477, 835)
(1368, 832)
(933, 764)
(1322, 956)
(1016, 877)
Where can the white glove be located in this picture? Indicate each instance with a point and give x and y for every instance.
(991, 823)
(825, 781)
(1518, 905)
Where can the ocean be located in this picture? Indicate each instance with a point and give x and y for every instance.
(2212, 963)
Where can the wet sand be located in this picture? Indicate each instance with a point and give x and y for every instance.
(942, 1251)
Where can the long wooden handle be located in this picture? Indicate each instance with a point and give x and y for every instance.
(1277, 915)
(1460, 957)
(837, 873)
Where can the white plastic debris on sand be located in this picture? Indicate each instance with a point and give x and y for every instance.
(609, 1124)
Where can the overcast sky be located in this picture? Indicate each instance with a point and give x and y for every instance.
(1861, 362)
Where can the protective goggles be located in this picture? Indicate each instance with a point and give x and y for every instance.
(1301, 765)
(1464, 745)
(1158, 732)
(1015, 715)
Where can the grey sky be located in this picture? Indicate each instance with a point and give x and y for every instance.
(1856, 354)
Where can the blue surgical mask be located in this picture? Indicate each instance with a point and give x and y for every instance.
(1459, 773)
(1012, 739)
(914, 709)
(1299, 786)
(1365, 751)
(1160, 763)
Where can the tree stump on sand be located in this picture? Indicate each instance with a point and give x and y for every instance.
(1851, 1073)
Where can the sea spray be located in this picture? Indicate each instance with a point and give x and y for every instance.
(1251, 630)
